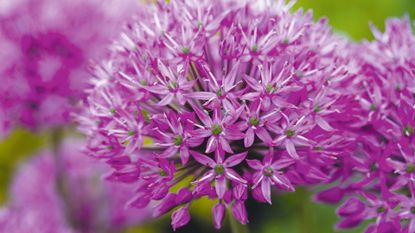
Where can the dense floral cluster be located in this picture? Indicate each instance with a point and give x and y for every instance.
(77, 203)
(377, 177)
(45, 48)
(221, 98)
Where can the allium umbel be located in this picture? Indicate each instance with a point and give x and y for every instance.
(235, 97)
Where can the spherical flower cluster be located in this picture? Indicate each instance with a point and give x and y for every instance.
(80, 202)
(217, 99)
(46, 46)
(377, 177)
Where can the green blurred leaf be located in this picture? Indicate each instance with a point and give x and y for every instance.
(19, 145)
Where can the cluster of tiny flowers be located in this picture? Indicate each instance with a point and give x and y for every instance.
(217, 99)
(377, 178)
(46, 46)
(37, 203)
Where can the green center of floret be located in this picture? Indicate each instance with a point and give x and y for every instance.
(380, 209)
(408, 130)
(112, 110)
(373, 167)
(269, 88)
(373, 107)
(131, 132)
(268, 171)
(318, 148)
(143, 82)
(219, 169)
(413, 210)
(173, 85)
(254, 121)
(216, 129)
(317, 108)
(290, 133)
(163, 173)
(410, 168)
(186, 50)
(219, 93)
(254, 48)
(178, 140)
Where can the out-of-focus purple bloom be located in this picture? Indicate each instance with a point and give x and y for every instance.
(376, 174)
(46, 50)
(81, 201)
(233, 94)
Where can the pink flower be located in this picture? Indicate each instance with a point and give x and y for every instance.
(47, 48)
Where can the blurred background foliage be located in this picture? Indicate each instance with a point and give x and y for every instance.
(290, 213)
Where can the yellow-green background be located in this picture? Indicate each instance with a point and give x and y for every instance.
(290, 213)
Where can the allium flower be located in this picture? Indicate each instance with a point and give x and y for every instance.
(377, 177)
(87, 204)
(236, 96)
(46, 47)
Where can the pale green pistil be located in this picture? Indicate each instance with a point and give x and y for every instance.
(373, 107)
(373, 167)
(268, 171)
(290, 133)
(269, 88)
(173, 85)
(413, 209)
(131, 132)
(254, 121)
(216, 129)
(219, 93)
(380, 209)
(219, 169)
(317, 108)
(162, 173)
(112, 110)
(410, 168)
(254, 48)
(408, 130)
(186, 50)
(178, 140)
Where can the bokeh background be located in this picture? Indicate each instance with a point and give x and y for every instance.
(290, 213)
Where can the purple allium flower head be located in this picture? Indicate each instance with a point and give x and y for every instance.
(88, 204)
(238, 96)
(46, 47)
(377, 177)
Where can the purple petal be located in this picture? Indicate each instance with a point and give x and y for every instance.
(218, 212)
(249, 138)
(266, 189)
(255, 164)
(180, 218)
(220, 186)
(202, 95)
(289, 145)
(351, 207)
(239, 212)
(235, 159)
(203, 159)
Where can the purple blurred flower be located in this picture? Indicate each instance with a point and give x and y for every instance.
(46, 50)
(87, 204)
(376, 174)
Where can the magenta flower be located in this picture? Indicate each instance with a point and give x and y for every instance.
(221, 170)
(376, 172)
(229, 97)
(89, 206)
(47, 48)
(269, 174)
